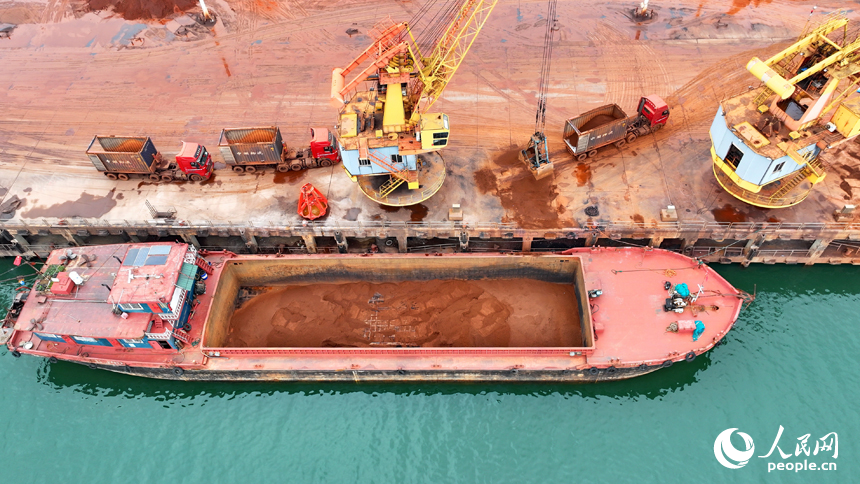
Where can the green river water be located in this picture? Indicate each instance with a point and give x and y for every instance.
(791, 361)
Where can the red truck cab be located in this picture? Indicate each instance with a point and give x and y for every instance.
(194, 161)
(654, 109)
(323, 145)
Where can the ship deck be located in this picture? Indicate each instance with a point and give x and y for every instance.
(272, 67)
(628, 320)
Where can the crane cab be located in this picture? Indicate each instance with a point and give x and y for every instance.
(434, 130)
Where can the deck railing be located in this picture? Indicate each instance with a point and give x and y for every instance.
(708, 251)
(397, 351)
(107, 226)
(783, 253)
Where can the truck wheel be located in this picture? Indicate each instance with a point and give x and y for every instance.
(250, 169)
(283, 168)
(620, 144)
(631, 137)
(592, 153)
(166, 178)
(154, 178)
(296, 167)
(656, 128)
(110, 176)
(581, 157)
(122, 176)
(325, 163)
(238, 169)
(196, 178)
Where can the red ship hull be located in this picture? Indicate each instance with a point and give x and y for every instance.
(613, 324)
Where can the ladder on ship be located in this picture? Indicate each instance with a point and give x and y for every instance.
(182, 336)
(812, 169)
(397, 176)
(788, 186)
(763, 96)
(203, 264)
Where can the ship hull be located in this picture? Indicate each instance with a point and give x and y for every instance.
(565, 375)
(458, 317)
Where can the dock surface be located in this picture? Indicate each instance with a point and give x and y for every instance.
(73, 73)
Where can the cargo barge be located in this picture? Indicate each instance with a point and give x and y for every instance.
(167, 310)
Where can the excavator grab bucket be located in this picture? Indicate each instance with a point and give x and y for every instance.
(542, 171)
(312, 203)
(536, 157)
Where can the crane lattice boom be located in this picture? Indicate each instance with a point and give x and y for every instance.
(437, 69)
(383, 127)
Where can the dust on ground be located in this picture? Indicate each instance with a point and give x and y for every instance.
(530, 203)
(437, 313)
(728, 213)
(143, 9)
(743, 213)
(694, 104)
(86, 206)
(417, 211)
(20, 12)
(844, 161)
(583, 174)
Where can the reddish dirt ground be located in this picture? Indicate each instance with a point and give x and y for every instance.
(528, 202)
(144, 9)
(438, 313)
(269, 63)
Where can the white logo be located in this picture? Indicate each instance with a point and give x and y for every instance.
(723, 448)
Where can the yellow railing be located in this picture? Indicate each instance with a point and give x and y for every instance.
(807, 160)
(426, 193)
(755, 198)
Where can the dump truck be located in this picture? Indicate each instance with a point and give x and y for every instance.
(247, 150)
(608, 124)
(124, 157)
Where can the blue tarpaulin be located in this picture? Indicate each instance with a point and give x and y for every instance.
(700, 328)
(682, 290)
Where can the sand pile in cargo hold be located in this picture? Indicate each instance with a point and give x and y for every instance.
(597, 121)
(144, 9)
(439, 313)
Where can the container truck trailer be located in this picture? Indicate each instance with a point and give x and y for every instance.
(247, 150)
(608, 124)
(124, 157)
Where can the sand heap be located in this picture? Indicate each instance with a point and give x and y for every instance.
(449, 313)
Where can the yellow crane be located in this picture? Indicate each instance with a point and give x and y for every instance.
(384, 122)
(766, 143)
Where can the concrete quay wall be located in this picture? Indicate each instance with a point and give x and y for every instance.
(741, 243)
